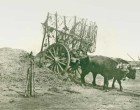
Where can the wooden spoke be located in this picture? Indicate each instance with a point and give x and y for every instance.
(62, 63)
(57, 51)
(51, 66)
(54, 51)
(49, 57)
(48, 64)
(78, 71)
(63, 59)
(70, 69)
(51, 53)
(60, 67)
(54, 69)
(74, 72)
(57, 68)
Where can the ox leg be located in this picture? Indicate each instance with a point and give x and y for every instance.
(104, 84)
(94, 79)
(113, 83)
(119, 81)
(83, 78)
(105, 87)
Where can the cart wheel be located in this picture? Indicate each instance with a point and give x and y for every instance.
(75, 72)
(74, 69)
(57, 58)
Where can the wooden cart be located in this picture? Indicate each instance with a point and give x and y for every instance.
(65, 39)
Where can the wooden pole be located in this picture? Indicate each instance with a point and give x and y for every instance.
(82, 35)
(31, 80)
(64, 28)
(27, 84)
(30, 86)
(73, 44)
(56, 27)
(74, 24)
(45, 27)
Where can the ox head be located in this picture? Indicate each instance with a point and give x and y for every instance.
(123, 69)
(132, 73)
(127, 70)
(84, 61)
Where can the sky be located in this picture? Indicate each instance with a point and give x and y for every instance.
(118, 23)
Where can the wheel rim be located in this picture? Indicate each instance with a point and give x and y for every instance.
(74, 70)
(57, 58)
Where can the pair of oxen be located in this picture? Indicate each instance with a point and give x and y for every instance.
(110, 68)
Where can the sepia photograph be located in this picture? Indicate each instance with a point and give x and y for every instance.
(69, 55)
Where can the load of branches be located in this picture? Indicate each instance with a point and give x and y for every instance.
(76, 33)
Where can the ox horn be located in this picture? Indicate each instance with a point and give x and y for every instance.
(132, 59)
(120, 65)
(128, 66)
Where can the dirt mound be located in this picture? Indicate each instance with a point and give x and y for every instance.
(10, 61)
(13, 69)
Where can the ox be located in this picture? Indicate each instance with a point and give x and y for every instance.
(132, 71)
(105, 66)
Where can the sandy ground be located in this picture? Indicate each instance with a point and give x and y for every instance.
(73, 97)
(54, 92)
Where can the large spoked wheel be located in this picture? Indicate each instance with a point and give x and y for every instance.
(74, 69)
(57, 58)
